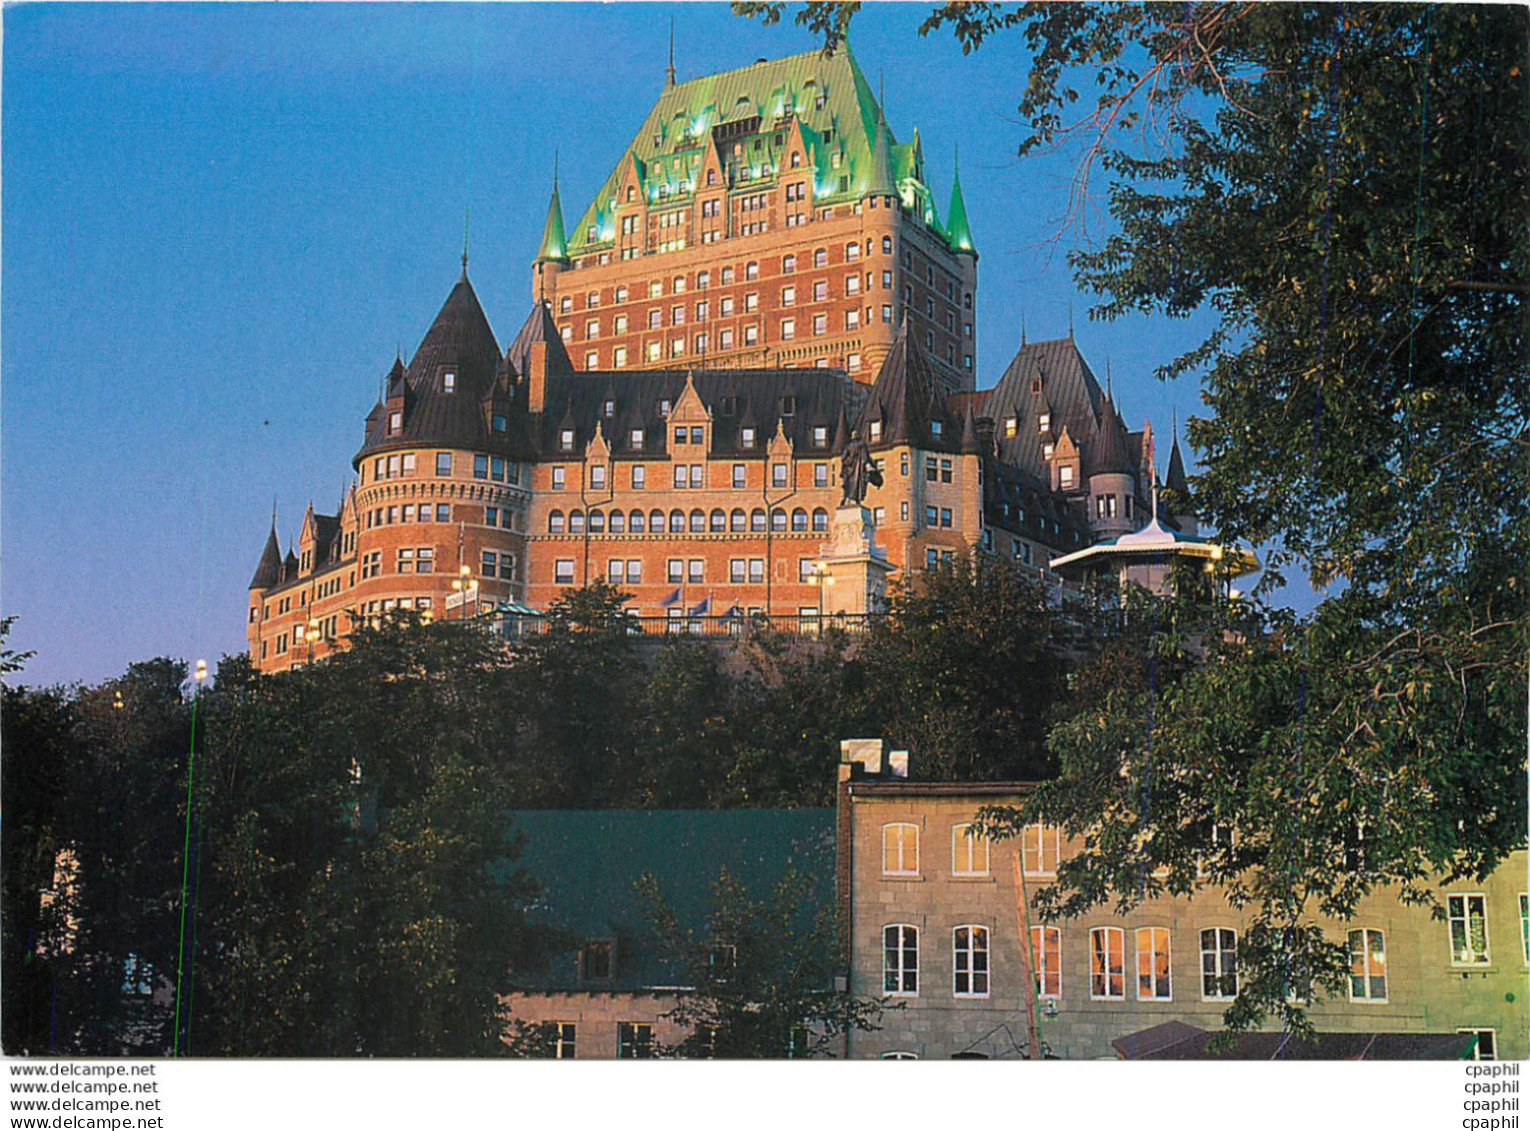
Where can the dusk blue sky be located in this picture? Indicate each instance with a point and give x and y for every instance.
(220, 222)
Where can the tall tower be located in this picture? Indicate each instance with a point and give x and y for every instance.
(765, 216)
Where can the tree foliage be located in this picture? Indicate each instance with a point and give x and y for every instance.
(1342, 187)
(762, 971)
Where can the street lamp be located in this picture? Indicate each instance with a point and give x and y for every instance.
(465, 586)
(822, 579)
(313, 630)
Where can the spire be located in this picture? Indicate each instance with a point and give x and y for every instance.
(1022, 326)
(1108, 453)
(1070, 319)
(957, 228)
(669, 72)
(466, 213)
(880, 180)
(1176, 480)
(554, 244)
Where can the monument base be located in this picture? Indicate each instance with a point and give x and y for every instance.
(853, 568)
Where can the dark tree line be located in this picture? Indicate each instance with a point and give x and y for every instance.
(347, 872)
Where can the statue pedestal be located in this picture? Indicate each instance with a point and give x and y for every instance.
(853, 569)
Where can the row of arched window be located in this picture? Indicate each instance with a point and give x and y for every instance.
(678, 521)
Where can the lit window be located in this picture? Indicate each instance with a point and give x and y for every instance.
(1153, 964)
(1046, 959)
(1367, 966)
(1041, 847)
(449, 382)
(969, 961)
(1107, 964)
(900, 850)
(969, 852)
(1219, 964)
(564, 1032)
(900, 960)
(1467, 915)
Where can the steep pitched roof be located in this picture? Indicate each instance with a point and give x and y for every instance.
(797, 400)
(906, 398)
(588, 863)
(827, 96)
(958, 231)
(1175, 480)
(539, 327)
(459, 342)
(1108, 454)
(269, 571)
(554, 246)
(1051, 377)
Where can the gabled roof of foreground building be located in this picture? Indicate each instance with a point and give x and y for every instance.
(588, 862)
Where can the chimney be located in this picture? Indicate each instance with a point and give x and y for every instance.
(863, 752)
(897, 763)
(536, 377)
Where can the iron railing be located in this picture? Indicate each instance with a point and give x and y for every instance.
(516, 626)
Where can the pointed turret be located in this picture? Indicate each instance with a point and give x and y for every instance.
(1109, 454)
(906, 398)
(554, 246)
(880, 180)
(841, 430)
(958, 231)
(1175, 480)
(269, 571)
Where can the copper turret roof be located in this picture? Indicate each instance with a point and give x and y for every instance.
(1109, 453)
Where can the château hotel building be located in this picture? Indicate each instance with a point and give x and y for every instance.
(763, 275)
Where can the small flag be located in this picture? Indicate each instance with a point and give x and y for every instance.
(703, 608)
(671, 600)
(734, 610)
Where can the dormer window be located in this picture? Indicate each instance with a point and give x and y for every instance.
(788, 406)
(566, 440)
(609, 408)
(680, 435)
(820, 436)
(449, 381)
(395, 423)
(664, 407)
(1011, 425)
(499, 423)
(1065, 476)
(937, 428)
(635, 439)
(698, 435)
(876, 431)
(1046, 450)
(1035, 384)
(747, 436)
(1044, 422)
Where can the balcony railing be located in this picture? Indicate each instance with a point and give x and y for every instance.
(813, 625)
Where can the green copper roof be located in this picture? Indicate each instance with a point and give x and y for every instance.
(756, 108)
(958, 232)
(880, 180)
(554, 245)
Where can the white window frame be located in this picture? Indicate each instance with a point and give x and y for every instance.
(1465, 918)
(1217, 956)
(966, 851)
(1151, 954)
(970, 961)
(1033, 849)
(1040, 966)
(565, 1040)
(901, 830)
(1102, 976)
(899, 977)
(1367, 964)
(1524, 927)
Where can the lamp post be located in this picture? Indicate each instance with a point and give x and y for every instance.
(183, 956)
(822, 579)
(467, 586)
